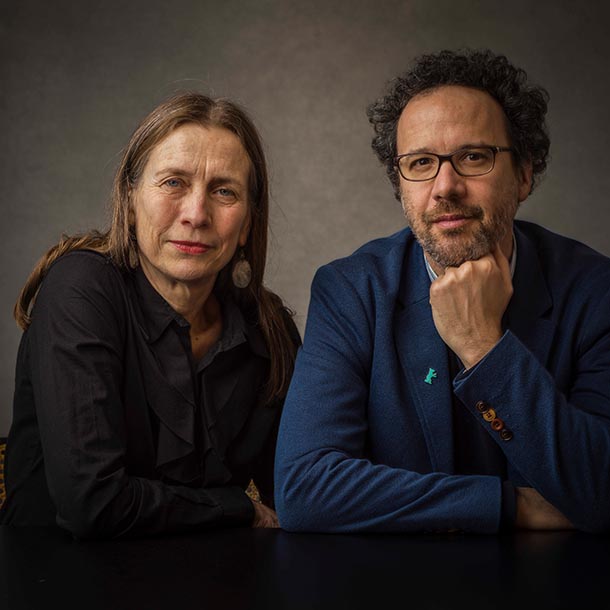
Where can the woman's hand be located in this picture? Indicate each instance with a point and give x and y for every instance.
(264, 516)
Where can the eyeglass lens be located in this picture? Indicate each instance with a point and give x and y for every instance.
(467, 162)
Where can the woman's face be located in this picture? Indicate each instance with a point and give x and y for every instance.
(190, 206)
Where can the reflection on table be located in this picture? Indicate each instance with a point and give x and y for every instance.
(245, 568)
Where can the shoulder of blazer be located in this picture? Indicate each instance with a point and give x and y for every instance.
(566, 264)
(381, 259)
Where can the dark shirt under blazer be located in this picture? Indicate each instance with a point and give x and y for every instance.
(116, 429)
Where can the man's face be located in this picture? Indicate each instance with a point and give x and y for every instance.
(457, 218)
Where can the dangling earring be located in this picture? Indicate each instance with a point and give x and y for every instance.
(242, 272)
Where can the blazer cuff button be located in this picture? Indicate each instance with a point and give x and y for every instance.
(506, 434)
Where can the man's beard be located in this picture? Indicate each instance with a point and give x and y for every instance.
(450, 249)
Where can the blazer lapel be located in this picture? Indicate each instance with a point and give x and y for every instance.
(530, 301)
(424, 359)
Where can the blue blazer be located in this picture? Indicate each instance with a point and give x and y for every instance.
(366, 442)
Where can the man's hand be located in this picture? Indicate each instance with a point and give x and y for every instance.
(535, 513)
(264, 516)
(468, 303)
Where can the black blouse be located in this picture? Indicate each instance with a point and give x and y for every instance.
(116, 429)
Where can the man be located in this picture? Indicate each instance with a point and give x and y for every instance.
(456, 375)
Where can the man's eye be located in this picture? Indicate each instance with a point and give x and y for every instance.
(173, 182)
(421, 162)
(225, 193)
(475, 157)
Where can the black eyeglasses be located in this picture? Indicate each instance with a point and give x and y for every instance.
(476, 161)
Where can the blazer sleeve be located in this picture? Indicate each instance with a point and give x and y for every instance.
(75, 347)
(324, 480)
(559, 418)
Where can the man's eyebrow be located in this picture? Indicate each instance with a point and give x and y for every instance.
(416, 151)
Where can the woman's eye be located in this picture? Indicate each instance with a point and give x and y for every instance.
(173, 182)
(226, 193)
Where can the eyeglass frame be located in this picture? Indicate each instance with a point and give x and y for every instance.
(449, 157)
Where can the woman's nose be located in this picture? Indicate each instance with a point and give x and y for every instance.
(196, 208)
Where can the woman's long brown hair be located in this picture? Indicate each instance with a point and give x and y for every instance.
(118, 242)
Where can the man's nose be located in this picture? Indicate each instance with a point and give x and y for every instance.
(448, 183)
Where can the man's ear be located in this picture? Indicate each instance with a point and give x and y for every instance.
(402, 203)
(525, 174)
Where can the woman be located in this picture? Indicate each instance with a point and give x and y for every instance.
(154, 363)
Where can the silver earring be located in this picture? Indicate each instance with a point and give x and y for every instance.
(242, 272)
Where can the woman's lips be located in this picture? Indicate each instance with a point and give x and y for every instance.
(191, 247)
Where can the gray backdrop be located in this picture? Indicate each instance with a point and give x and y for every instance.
(76, 77)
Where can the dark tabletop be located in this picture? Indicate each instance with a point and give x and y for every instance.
(245, 568)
